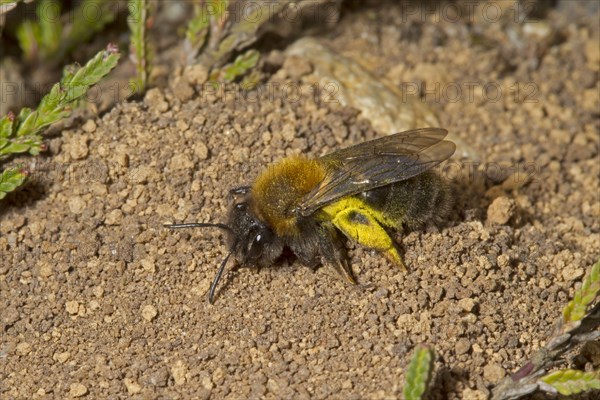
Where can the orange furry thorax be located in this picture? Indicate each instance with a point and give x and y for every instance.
(281, 187)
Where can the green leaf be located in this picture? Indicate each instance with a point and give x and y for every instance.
(251, 80)
(89, 17)
(418, 373)
(6, 126)
(240, 66)
(208, 19)
(22, 133)
(217, 8)
(590, 288)
(28, 34)
(48, 38)
(568, 382)
(31, 144)
(55, 105)
(241, 31)
(93, 71)
(44, 35)
(50, 27)
(197, 29)
(11, 179)
(14, 148)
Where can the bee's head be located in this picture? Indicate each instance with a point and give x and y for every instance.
(251, 240)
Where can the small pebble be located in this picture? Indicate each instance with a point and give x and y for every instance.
(297, 66)
(78, 148)
(142, 174)
(462, 346)
(160, 377)
(61, 357)
(149, 265)
(115, 217)
(493, 373)
(201, 151)
(156, 99)
(181, 162)
(98, 291)
(470, 394)
(77, 390)
(45, 270)
(503, 261)
(23, 348)
(182, 125)
(196, 74)
(9, 316)
(182, 89)
(89, 126)
(178, 371)
(149, 312)
(501, 210)
(570, 273)
(132, 386)
(72, 307)
(76, 205)
(466, 304)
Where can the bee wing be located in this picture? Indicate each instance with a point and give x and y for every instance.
(377, 163)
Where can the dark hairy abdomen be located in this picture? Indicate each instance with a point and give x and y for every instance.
(414, 202)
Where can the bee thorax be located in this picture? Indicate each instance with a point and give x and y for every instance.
(277, 192)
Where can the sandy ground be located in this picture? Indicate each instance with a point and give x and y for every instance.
(98, 300)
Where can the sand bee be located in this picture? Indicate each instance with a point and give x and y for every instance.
(359, 192)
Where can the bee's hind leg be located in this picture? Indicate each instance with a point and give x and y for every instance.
(332, 253)
(358, 224)
(343, 269)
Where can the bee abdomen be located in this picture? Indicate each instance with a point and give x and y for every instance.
(414, 202)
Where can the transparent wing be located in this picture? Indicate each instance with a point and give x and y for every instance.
(377, 163)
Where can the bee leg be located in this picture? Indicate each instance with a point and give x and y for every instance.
(332, 253)
(236, 191)
(359, 225)
(343, 269)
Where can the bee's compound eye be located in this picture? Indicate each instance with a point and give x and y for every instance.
(255, 247)
(240, 206)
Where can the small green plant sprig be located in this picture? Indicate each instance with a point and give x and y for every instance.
(579, 324)
(22, 133)
(239, 67)
(137, 20)
(577, 308)
(216, 33)
(570, 381)
(41, 38)
(10, 179)
(205, 27)
(419, 373)
(49, 38)
(207, 23)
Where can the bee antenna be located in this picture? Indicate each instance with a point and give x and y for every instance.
(213, 285)
(199, 225)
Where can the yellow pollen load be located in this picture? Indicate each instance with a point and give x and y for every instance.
(362, 223)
